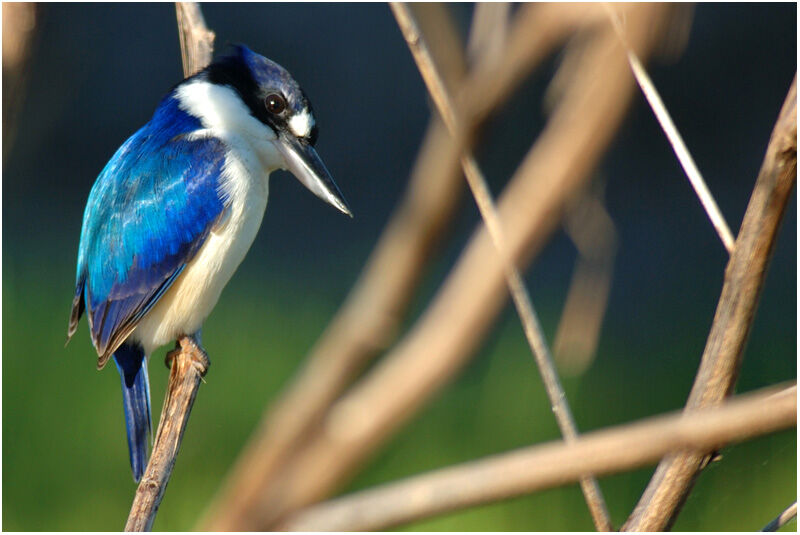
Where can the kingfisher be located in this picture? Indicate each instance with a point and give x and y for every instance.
(176, 208)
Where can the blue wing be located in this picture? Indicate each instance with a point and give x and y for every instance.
(149, 212)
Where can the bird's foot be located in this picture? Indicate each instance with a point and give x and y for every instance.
(188, 345)
(170, 356)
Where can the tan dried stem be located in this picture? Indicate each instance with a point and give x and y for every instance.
(744, 279)
(544, 466)
(369, 319)
(674, 137)
(19, 23)
(366, 322)
(782, 519)
(489, 33)
(533, 332)
(591, 229)
(19, 32)
(448, 332)
(197, 41)
(188, 365)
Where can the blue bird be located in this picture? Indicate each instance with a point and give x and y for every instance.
(175, 210)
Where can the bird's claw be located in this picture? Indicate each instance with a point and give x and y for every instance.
(170, 356)
(188, 345)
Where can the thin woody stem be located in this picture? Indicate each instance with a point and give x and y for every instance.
(519, 293)
(544, 466)
(189, 364)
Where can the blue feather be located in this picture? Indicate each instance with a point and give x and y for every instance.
(132, 365)
(149, 212)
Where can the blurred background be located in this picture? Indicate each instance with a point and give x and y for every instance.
(94, 75)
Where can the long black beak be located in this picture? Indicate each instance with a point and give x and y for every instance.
(304, 163)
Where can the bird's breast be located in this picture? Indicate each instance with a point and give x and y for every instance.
(185, 306)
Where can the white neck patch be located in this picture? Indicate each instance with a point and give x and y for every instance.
(224, 115)
(301, 124)
(219, 107)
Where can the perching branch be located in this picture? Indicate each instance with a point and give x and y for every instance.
(744, 279)
(197, 41)
(519, 293)
(545, 466)
(188, 362)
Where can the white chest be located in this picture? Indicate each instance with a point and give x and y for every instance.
(193, 295)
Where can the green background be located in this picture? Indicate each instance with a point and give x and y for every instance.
(97, 71)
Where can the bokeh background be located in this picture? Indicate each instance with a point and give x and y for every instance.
(94, 76)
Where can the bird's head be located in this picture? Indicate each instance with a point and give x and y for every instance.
(283, 115)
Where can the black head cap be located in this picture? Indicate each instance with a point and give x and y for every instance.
(268, 90)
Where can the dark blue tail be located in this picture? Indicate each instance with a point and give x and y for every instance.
(132, 366)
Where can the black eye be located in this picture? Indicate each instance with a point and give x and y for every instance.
(275, 103)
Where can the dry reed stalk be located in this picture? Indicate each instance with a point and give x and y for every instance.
(368, 320)
(488, 33)
(460, 314)
(544, 466)
(592, 230)
(197, 41)
(426, 64)
(782, 519)
(19, 23)
(189, 363)
(675, 139)
(744, 279)
(19, 35)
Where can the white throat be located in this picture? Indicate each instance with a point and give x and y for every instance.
(223, 115)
